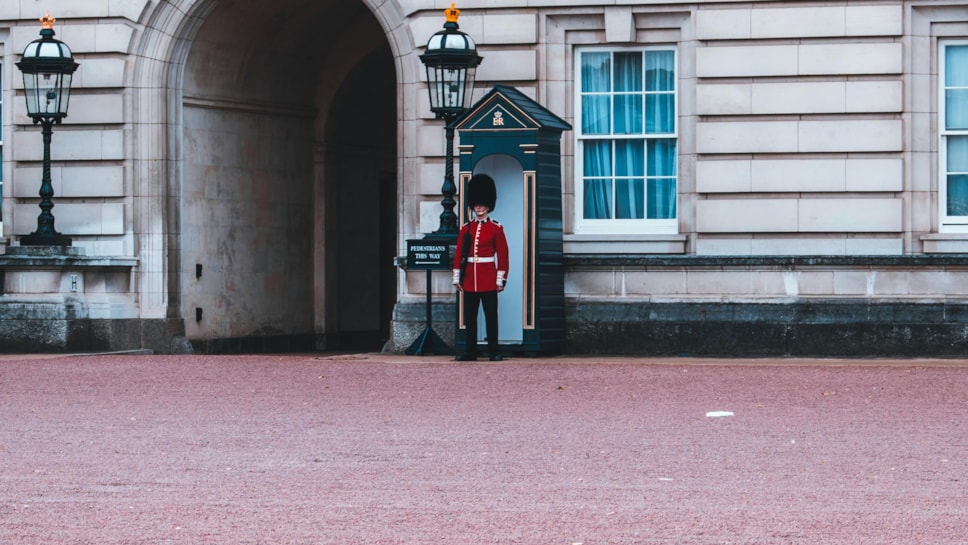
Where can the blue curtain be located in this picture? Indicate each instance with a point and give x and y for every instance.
(629, 179)
(629, 93)
(595, 108)
(662, 165)
(956, 118)
(660, 81)
(598, 181)
(596, 76)
(955, 98)
(627, 82)
(957, 167)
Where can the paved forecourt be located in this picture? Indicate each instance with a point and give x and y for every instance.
(372, 448)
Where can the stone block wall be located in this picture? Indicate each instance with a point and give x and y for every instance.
(805, 130)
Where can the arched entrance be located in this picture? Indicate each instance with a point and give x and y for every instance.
(287, 197)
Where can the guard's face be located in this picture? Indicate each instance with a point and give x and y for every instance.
(480, 210)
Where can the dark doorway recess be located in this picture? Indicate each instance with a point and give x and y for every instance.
(362, 208)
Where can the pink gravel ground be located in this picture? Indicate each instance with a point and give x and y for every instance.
(381, 449)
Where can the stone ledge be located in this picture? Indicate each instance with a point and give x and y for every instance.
(45, 251)
(804, 311)
(11, 261)
(914, 261)
(36, 275)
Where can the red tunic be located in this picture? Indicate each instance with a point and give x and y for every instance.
(487, 256)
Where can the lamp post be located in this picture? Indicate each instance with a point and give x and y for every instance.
(47, 66)
(451, 59)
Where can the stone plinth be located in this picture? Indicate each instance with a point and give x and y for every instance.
(56, 299)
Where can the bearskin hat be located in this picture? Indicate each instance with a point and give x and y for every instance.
(481, 190)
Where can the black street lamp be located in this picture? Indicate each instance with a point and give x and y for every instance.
(451, 59)
(47, 66)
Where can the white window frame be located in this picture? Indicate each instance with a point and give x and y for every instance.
(622, 226)
(2, 132)
(946, 223)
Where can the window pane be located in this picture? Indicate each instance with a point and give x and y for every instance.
(958, 195)
(598, 158)
(662, 198)
(660, 71)
(630, 158)
(594, 115)
(598, 199)
(661, 157)
(628, 72)
(629, 199)
(1, 157)
(956, 109)
(625, 97)
(956, 66)
(660, 115)
(595, 68)
(628, 114)
(957, 151)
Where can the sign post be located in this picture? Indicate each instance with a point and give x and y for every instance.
(429, 255)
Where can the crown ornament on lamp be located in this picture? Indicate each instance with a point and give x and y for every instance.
(452, 13)
(47, 21)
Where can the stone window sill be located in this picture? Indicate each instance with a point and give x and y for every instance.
(948, 243)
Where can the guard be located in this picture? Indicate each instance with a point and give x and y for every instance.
(481, 265)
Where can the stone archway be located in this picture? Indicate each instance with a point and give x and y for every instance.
(267, 206)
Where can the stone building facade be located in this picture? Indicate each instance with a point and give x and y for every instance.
(757, 177)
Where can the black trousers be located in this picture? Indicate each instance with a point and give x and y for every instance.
(489, 301)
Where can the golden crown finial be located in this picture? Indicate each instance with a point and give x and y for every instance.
(452, 14)
(47, 22)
